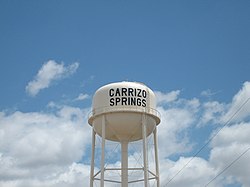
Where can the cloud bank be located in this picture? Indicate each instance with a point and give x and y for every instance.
(43, 149)
(52, 149)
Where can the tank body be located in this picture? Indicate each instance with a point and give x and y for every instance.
(124, 105)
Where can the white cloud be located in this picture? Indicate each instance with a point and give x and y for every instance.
(237, 133)
(196, 174)
(212, 112)
(172, 131)
(37, 148)
(73, 175)
(49, 72)
(208, 93)
(227, 146)
(176, 119)
(164, 98)
(82, 97)
(240, 99)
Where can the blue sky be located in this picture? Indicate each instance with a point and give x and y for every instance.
(55, 54)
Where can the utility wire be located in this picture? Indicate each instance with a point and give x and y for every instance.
(209, 140)
(235, 160)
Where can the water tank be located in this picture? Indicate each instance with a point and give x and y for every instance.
(124, 105)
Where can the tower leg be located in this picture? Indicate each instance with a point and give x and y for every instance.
(156, 158)
(145, 151)
(92, 159)
(124, 164)
(103, 151)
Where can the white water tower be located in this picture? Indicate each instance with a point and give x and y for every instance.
(124, 112)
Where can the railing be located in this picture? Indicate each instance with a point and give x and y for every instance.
(113, 109)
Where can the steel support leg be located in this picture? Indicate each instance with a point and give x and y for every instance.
(156, 158)
(124, 163)
(103, 151)
(145, 150)
(92, 159)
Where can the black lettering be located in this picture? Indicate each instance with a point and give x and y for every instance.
(111, 92)
(112, 101)
(144, 93)
(130, 92)
(139, 93)
(117, 93)
(128, 100)
(133, 101)
(117, 100)
(144, 103)
(124, 91)
(124, 101)
(128, 96)
(138, 102)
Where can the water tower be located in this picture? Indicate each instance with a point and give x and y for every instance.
(124, 112)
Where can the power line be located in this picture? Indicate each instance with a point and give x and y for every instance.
(209, 140)
(235, 160)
